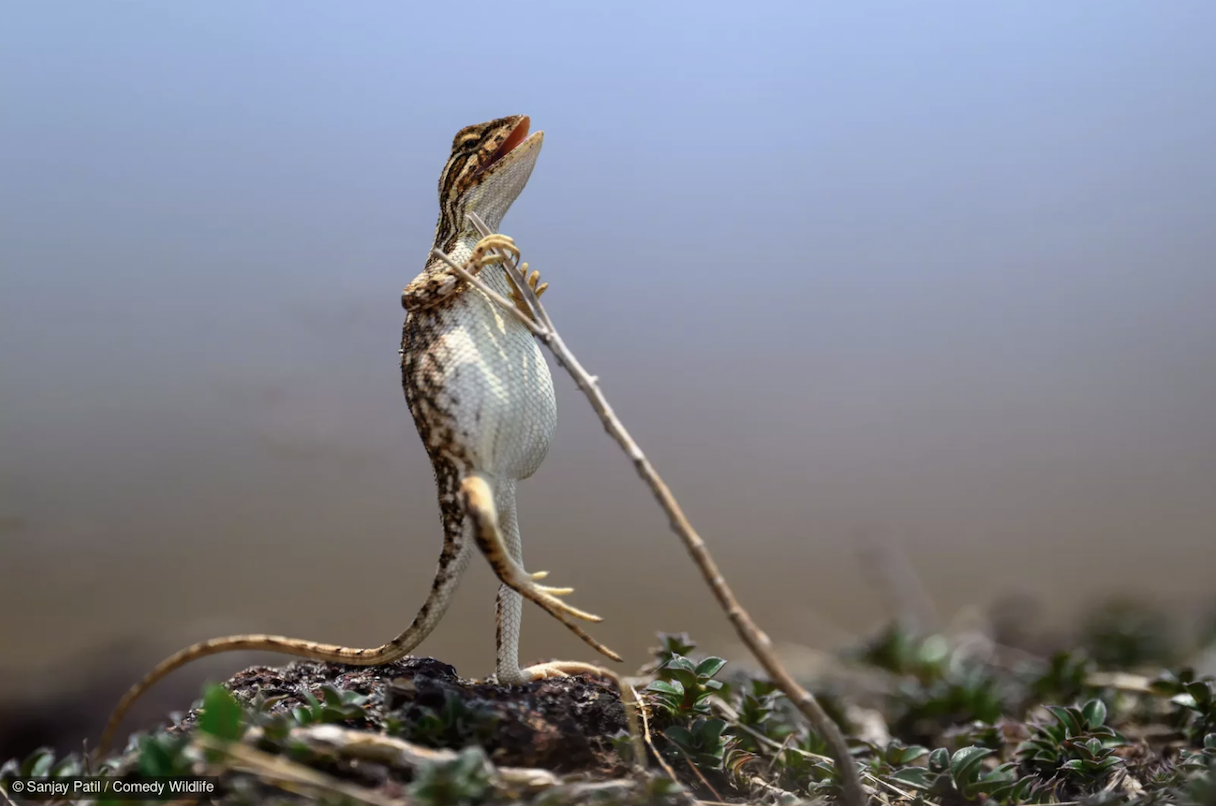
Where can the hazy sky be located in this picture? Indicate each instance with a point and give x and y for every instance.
(939, 273)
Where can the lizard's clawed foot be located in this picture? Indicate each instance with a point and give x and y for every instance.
(551, 591)
(479, 503)
(534, 283)
(545, 596)
(483, 254)
(559, 668)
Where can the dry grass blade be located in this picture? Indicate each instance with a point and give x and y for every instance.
(286, 774)
(646, 735)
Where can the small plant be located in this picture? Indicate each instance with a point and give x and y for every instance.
(683, 688)
(1202, 761)
(941, 687)
(454, 724)
(886, 760)
(1062, 678)
(1076, 745)
(1124, 634)
(335, 706)
(671, 644)
(805, 767)
(462, 781)
(756, 708)
(1196, 697)
(221, 715)
(900, 651)
(963, 774)
(702, 742)
(966, 693)
(39, 764)
(621, 743)
(163, 756)
(658, 789)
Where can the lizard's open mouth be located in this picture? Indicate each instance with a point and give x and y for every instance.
(515, 138)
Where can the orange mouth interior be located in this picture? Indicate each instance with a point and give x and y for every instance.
(517, 136)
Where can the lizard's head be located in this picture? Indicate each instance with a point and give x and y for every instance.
(489, 166)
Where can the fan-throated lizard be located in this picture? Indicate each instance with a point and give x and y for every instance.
(482, 398)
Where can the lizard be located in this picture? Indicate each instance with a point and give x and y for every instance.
(482, 399)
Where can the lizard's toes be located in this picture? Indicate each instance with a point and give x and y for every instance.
(557, 668)
(545, 588)
(546, 597)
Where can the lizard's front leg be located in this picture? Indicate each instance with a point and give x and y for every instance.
(479, 504)
(438, 281)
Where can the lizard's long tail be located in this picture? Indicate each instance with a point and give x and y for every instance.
(452, 563)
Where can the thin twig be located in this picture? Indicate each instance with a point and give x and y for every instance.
(633, 708)
(348, 743)
(785, 746)
(287, 775)
(751, 635)
(650, 742)
(688, 760)
(465, 275)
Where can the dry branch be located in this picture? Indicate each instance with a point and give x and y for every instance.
(751, 635)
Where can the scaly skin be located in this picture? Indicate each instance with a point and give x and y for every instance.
(482, 399)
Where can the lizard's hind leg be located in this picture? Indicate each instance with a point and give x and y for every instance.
(480, 506)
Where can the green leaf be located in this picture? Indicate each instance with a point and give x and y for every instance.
(934, 650)
(708, 731)
(917, 777)
(680, 735)
(68, 766)
(677, 643)
(1094, 712)
(939, 759)
(686, 678)
(710, 666)
(665, 687)
(907, 755)
(43, 758)
(154, 762)
(1016, 792)
(964, 764)
(1068, 717)
(1201, 692)
(1209, 742)
(221, 716)
(680, 663)
(1167, 683)
(158, 758)
(1185, 700)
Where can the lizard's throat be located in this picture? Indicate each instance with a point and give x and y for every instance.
(491, 209)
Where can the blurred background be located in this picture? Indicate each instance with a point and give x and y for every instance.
(929, 282)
